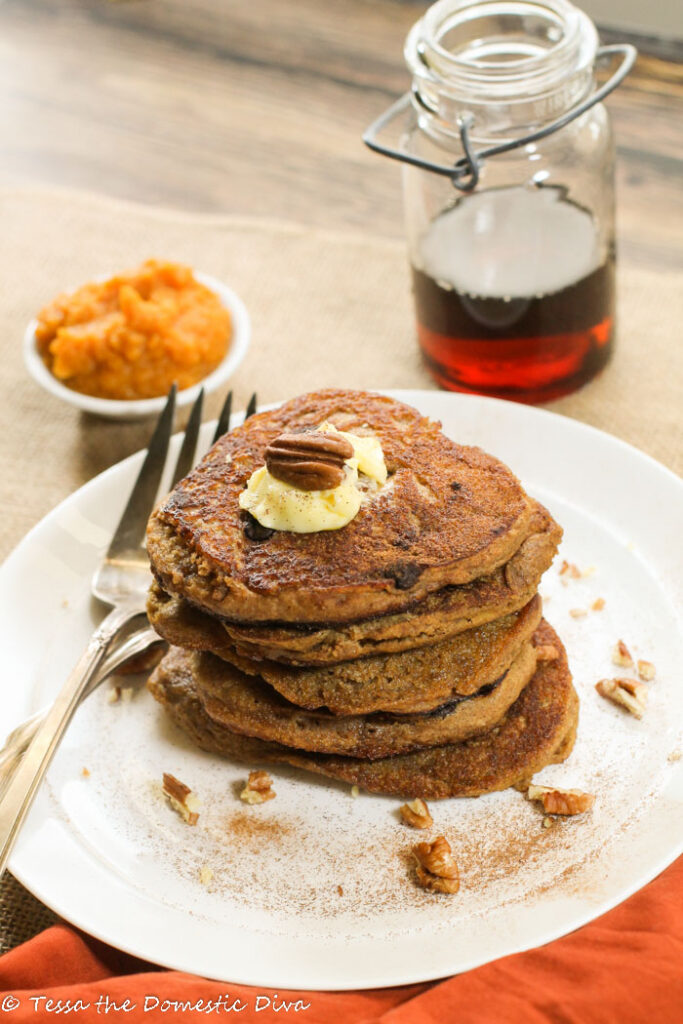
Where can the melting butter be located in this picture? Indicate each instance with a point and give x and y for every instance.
(281, 506)
(367, 451)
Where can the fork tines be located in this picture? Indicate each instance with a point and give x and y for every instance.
(131, 529)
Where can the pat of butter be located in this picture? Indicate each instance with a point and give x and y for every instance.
(281, 506)
(367, 451)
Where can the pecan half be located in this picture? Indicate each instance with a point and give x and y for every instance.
(561, 801)
(416, 813)
(312, 461)
(628, 693)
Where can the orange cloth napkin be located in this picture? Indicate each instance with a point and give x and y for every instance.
(624, 968)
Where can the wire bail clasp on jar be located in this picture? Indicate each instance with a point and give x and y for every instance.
(464, 173)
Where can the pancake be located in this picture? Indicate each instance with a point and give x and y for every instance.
(252, 708)
(412, 681)
(441, 615)
(539, 729)
(448, 514)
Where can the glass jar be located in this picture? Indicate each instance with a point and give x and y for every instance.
(513, 254)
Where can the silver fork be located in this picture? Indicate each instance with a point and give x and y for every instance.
(139, 639)
(122, 581)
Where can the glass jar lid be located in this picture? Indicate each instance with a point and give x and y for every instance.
(507, 62)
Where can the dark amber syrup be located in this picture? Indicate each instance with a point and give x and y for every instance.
(522, 342)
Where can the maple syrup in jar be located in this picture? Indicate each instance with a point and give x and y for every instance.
(513, 296)
(513, 276)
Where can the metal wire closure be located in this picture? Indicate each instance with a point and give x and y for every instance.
(464, 173)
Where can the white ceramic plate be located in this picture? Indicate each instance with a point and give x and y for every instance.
(313, 889)
(137, 409)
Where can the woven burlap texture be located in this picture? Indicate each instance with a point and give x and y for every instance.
(327, 309)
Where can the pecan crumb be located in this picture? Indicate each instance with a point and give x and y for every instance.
(258, 788)
(621, 655)
(547, 652)
(436, 868)
(674, 756)
(577, 613)
(561, 801)
(127, 694)
(181, 798)
(628, 693)
(547, 822)
(416, 813)
(340, 890)
(568, 571)
(355, 791)
(646, 671)
(85, 772)
(598, 604)
(114, 695)
(205, 874)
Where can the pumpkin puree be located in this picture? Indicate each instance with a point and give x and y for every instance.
(135, 334)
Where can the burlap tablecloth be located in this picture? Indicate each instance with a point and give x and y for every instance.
(327, 309)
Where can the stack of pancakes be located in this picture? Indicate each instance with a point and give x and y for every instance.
(405, 652)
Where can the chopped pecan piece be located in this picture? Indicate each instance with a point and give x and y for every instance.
(598, 604)
(436, 868)
(569, 571)
(434, 882)
(621, 655)
(181, 798)
(311, 461)
(577, 613)
(258, 788)
(416, 813)
(629, 693)
(205, 874)
(561, 801)
(646, 671)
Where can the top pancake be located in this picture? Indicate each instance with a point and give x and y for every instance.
(447, 515)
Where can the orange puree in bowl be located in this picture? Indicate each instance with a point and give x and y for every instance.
(135, 334)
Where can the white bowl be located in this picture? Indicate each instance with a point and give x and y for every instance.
(133, 409)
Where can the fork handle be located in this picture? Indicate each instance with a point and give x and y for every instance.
(21, 737)
(21, 790)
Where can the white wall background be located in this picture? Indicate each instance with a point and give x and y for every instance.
(656, 18)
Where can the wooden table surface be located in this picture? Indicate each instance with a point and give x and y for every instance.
(257, 108)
